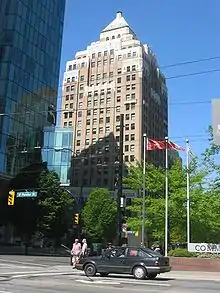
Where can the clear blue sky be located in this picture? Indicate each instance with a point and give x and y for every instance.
(177, 31)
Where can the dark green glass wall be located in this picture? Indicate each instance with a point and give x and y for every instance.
(30, 48)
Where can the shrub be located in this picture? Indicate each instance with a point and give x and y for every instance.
(181, 252)
(208, 255)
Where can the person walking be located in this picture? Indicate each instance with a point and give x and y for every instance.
(84, 248)
(75, 252)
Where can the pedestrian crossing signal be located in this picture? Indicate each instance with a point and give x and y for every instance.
(11, 198)
(76, 219)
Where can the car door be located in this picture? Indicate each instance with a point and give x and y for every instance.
(119, 262)
(133, 256)
(113, 262)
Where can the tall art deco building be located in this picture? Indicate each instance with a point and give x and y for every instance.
(115, 75)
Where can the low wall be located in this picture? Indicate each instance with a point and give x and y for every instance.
(195, 264)
(21, 250)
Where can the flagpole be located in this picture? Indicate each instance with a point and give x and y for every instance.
(166, 198)
(144, 191)
(188, 192)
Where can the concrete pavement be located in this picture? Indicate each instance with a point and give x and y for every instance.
(67, 284)
(46, 274)
(27, 264)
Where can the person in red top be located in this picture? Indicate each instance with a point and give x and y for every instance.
(75, 252)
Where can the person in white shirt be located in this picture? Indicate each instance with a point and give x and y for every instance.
(75, 252)
(84, 248)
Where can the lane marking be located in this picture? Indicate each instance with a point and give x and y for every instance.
(5, 266)
(35, 272)
(98, 282)
(45, 274)
(145, 283)
(23, 263)
(5, 292)
(112, 282)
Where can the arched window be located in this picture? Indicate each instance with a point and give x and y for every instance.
(107, 39)
(113, 37)
(119, 35)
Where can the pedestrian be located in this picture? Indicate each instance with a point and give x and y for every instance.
(75, 252)
(84, 248)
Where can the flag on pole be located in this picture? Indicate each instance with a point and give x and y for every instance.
(166, 145)
(162, 145)
(189, 154)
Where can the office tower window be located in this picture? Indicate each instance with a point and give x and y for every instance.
(132, 136)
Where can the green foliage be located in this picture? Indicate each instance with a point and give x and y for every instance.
(208, 255)
(99, 216)
(204, 199)
(56, 207)
(182, 252)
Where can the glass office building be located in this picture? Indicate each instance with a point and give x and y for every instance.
(57, 151)
(30, 48)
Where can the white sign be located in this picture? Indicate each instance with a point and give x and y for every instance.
(204, 247)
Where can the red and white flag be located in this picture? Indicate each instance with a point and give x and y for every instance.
(162, 145)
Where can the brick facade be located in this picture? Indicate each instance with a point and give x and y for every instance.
(195, 264)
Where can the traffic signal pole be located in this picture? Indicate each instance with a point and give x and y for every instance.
(120, 179)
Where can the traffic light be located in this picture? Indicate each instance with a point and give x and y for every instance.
(76, 219)
(11, 198)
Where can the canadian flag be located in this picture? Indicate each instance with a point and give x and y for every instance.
(162, 145)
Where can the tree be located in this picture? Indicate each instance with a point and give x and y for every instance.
(99, 216)
(155, 178)
(155, 201)
(56, 207)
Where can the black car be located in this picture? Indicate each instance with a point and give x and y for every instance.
(137, 261)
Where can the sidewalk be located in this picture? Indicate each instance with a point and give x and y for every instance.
(192, 275)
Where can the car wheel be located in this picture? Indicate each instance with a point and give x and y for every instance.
(152, 276)
(103, 274)
(90, 270)
(139, 272)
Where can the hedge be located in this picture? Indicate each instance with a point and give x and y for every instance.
(182, 252)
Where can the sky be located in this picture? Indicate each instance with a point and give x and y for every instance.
(177, 31)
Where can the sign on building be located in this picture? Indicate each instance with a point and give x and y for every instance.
(216, 121)
(204, 247)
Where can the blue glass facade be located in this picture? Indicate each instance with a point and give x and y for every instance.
(57, 151)
(30, 49)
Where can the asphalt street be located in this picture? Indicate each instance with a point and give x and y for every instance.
(44, 274)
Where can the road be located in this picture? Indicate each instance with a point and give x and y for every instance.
(53, 275)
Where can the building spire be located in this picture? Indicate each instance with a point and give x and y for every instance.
(118, 14)
(117, 23)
